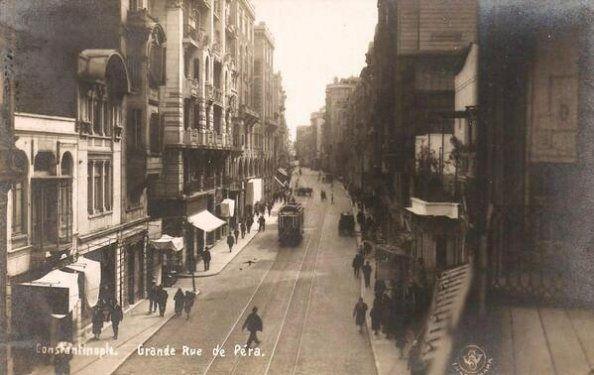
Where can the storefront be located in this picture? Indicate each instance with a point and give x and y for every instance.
(205, 227)
(166, 254)
(132, 265)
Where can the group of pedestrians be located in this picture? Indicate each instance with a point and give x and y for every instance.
(105, 311)
(157, 296)
(183, 302)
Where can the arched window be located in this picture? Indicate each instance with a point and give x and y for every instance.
(66, 164)
(44, 164)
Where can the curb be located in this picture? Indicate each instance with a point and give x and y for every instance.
(188, 276)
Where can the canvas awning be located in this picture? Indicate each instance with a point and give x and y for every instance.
(62, 280)
(228, 208)
(283, 172)
(206, 221)
(166, 242)
(92, 272)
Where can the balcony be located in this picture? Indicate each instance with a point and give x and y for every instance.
(194, 35)
(421, 207)
(194, 138)
(214, 94)
(192, 88)
(249, 116)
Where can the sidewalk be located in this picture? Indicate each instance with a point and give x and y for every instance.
(136, 328)
(385, 352)
(220, 255)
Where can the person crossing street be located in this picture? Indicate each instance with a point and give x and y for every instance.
(253, 323)
(359, 313)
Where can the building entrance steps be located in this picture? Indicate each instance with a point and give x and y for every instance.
(220, 255)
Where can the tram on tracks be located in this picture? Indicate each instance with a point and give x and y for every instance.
(290, 224)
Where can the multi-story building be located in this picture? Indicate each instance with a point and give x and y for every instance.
(268, 90)
(317, 123)
(200, 104)
(305, 145)
(92, 142)
(337, 94)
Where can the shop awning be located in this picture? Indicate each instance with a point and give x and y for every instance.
(166, 242)
(62, 280)
(283, 172)
(206, 221)
(228, 208)
(92, 272)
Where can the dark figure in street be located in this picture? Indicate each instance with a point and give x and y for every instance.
(206, 259)
(178, 299)
(332, 198)
(152, 296)
(162, 300)
(97, 320)
(242, 227)
(230, 242)
(367, 274)
(117, 315)
(189, 302)
(236, 233)
(357, 264)
(249, 222)
(359, 313)
(262, 223)
(376, 317)
(269, 208)
(62, 358)
(253, 323)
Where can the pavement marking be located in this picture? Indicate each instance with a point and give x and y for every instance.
(291, 299)
(240, 316)
(309, 296)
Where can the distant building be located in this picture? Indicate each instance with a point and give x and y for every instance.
(304, 145)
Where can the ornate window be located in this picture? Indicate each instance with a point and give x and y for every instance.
(19, 208)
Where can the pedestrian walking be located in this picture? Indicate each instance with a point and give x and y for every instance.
(242, 227)
(162, 300)
(97, 320)
(357, 264)
(62, 357)
(359, 313)
(178, 299)
(230, 242)
(262, 223)
(250, 222)
(253, 323)
(117, 315)
(332, 197)
(269, 208)
(236, 233)
(152, 296)
(206, 259)
(189, 302)
(367, 273)
(376, 317)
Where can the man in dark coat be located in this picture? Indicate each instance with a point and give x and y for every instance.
(117, 315)
(97, 320)
(206, 259)
(189, 302)
(253, 323)
(152, 296)
(236, 233)
(230, 242)
(367, 274)
(376, 317)
(162, 300)
(179, 302)
(242, 227)
(262, 223)
(249, 223)
(357, 263)
(359, 313)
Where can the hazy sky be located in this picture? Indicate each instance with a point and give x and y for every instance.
(316, 40)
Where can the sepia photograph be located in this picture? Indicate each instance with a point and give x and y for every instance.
(297, 187)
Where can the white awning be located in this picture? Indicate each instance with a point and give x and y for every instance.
(60, 279)
(92, 271)
(283, 172)
(206, 221)
(228, 208)
(166, 242)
